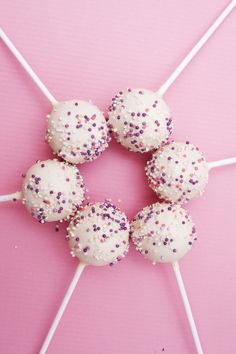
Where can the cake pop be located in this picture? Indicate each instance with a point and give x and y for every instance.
(77, 130)
(98, 235)
(101, 241)
(178, 172)
(140, 119)
(165, 233)
(52, 191)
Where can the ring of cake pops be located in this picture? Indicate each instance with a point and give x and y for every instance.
(98, 234)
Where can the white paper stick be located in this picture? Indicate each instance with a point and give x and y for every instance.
(27, 67)
(11, 197)
(220, 163)
(187, 307)
(62, 308)
(162, 90)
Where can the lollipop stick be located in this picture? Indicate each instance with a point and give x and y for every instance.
(62, 308)
(187, 307)
(221, 163)
(196, 48)
(12, 197)
(27, 67)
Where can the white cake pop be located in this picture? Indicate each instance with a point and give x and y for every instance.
(140, 119)
(99, 234)
(163, 232)
(52, 190)
(177, 172)
(77, 131)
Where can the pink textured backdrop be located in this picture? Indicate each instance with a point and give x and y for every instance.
(90, 49)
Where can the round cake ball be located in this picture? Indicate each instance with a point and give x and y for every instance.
(140, 119)
(99, 234)
(52, 190)
(77, 131)
(163, 232)
(177, 172)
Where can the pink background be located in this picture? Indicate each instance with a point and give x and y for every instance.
(90, 50)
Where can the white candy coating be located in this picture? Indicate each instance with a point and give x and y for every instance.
(52, 190)
(99, 234)
(140, 119)
(177, 172)
(77, 131)
(163, 232)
